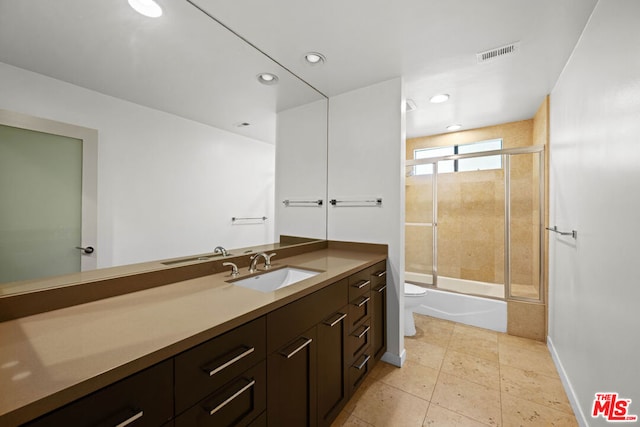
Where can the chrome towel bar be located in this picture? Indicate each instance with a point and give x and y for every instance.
(374, 202)
(572, 233)
(292, 203)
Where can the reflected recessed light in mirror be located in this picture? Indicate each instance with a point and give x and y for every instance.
(146, 7)
(439, 98)
(267, 78)
(314, 58)
(451, 128)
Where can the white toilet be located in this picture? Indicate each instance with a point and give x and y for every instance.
(412, 299)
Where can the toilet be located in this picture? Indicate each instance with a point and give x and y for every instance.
(412, 297)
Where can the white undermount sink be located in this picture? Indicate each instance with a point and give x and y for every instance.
(276, 279)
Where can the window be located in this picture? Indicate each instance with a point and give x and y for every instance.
(460, 165)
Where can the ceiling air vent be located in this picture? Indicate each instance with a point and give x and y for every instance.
(499, 52)
(410, 105)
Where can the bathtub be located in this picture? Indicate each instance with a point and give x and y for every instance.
(472, 310)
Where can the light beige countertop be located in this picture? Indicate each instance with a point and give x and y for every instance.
(50, 359)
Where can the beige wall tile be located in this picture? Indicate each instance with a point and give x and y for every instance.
(526, 320)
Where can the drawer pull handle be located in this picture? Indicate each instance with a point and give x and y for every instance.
(232, 397)
(381, 288)
(306, 342)
(131, 419)
(364, 331)
(361, 284)
(363, 302)
(381, 273)
(235, 355)
(340, 318)
(364, 362)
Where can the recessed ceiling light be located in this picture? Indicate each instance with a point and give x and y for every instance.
(437, 99)
(314, 58)
(267, 78)
(454, 127)
(146, 7)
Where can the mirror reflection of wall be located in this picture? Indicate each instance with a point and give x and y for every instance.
(187, 135)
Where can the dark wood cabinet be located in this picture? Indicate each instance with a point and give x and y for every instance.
(379, 309)
(237, 403)
(141, 400)
(297, 365)
(291, 372)
(207, 367)
(332, 366)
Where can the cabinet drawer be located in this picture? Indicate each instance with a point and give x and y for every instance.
(292, 319)
(359, 283)
(359, 340)
(378, 274)
(236, 403)
(145, 399)
(358, 371)
(207, 367)
(359, 310)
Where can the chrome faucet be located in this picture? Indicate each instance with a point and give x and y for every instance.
(220, 250)
(254, 261)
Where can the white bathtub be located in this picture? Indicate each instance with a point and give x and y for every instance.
(472, 310)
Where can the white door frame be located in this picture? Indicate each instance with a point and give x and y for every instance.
(89, 139)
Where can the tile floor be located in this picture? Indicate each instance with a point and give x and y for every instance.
(459, 375)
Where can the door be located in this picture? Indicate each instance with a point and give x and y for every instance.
(44, 212)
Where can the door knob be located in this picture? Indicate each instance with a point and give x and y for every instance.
(88, 250)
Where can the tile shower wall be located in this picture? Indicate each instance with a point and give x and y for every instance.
(471, 212)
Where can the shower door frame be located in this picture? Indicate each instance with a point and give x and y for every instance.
(506, 164)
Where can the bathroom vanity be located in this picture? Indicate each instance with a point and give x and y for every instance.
(203, 351)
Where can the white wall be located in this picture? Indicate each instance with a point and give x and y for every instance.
(167, 186)
(366, 152)
(594, 317)
(301, 170)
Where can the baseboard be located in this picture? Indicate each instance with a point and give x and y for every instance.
(568, 388)
(394, 359)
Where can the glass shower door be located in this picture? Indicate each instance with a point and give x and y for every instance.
(419, 225)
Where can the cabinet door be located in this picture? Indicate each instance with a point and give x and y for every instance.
(291, 387)
(379, 318)
(332, 366)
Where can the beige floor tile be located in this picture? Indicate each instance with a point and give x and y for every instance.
(383, 405)
(432, 330)
(472, 368)
(413, 378)
(474, 345)
(473, 331)
(438, 416)
(520, 412)
(473, 400)
(354, 421)
(534, 387)
(529, 359)
(424, 353)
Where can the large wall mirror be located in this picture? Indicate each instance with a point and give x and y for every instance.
(189, 141)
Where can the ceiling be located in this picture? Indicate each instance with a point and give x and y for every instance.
(172, 63)
(432, 44)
